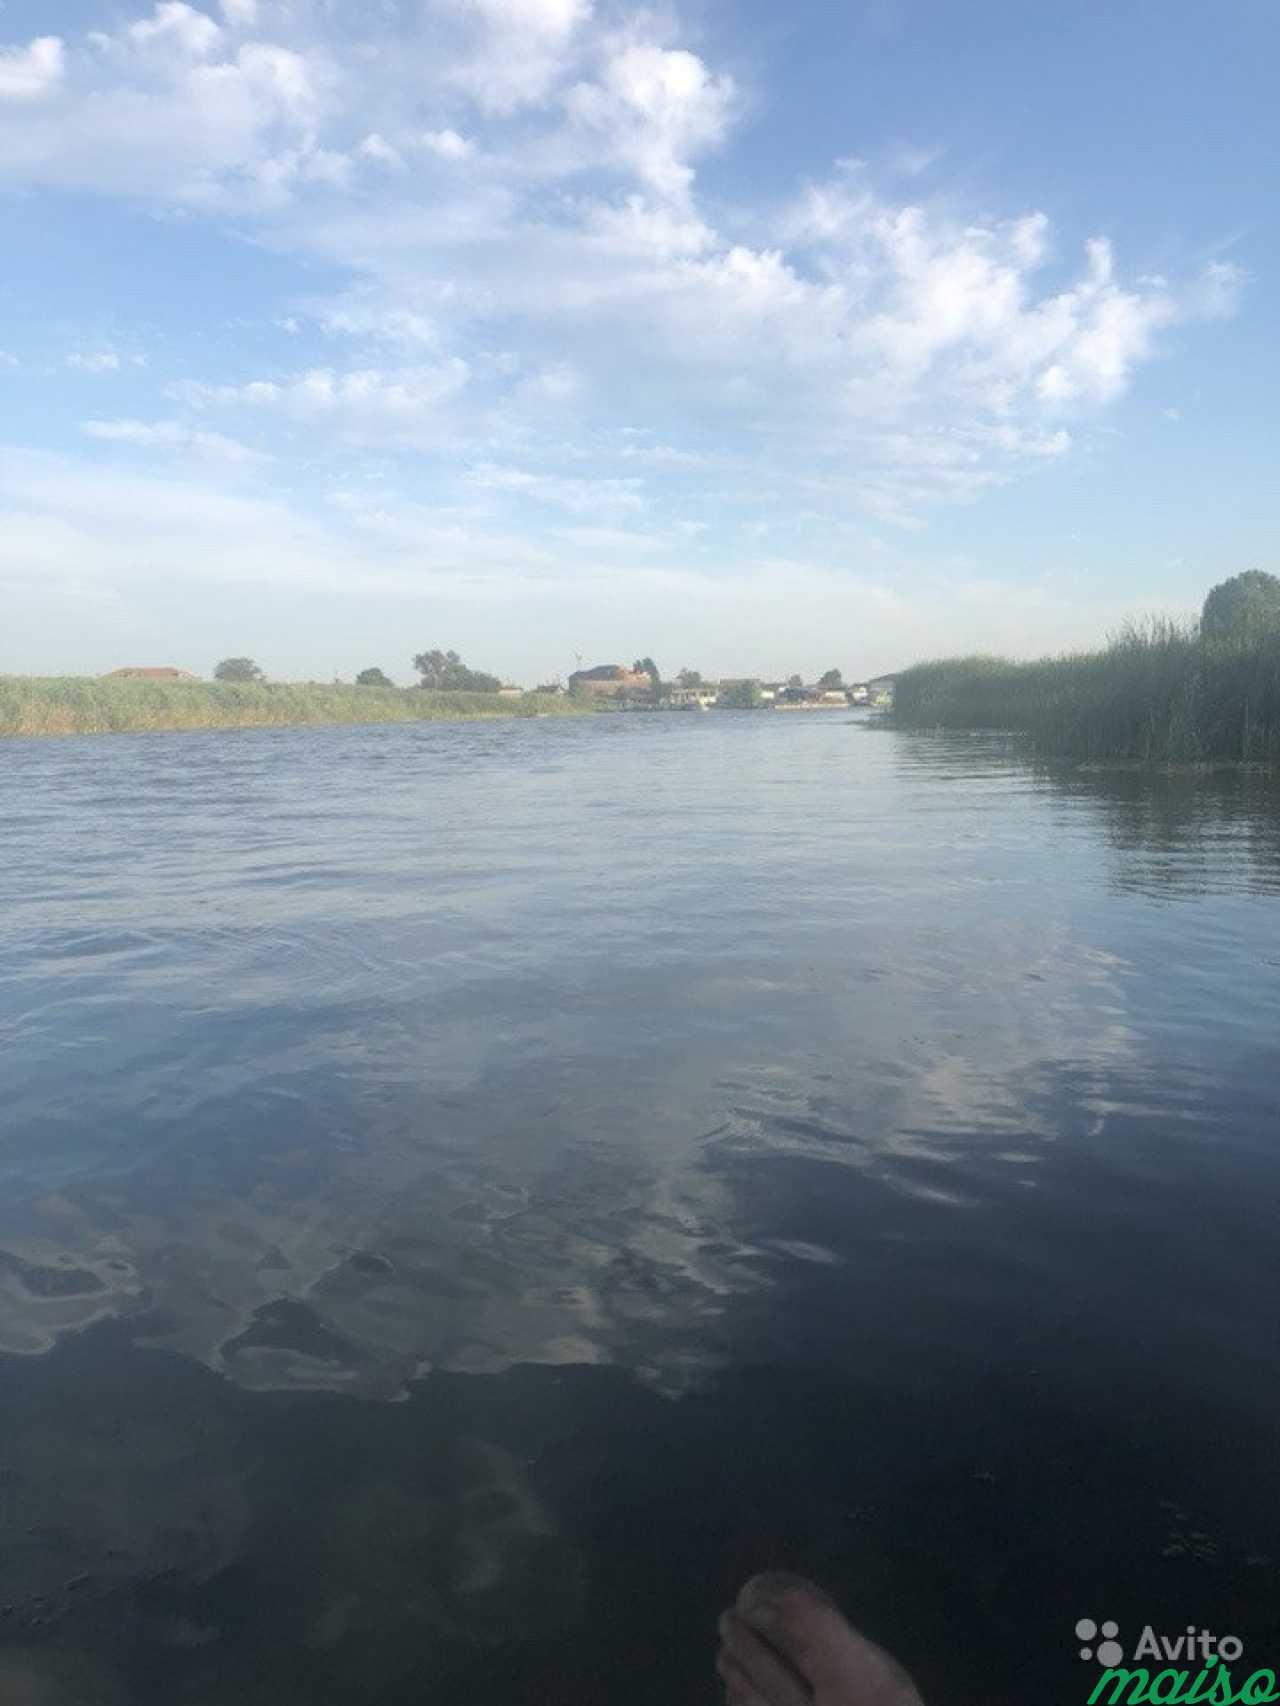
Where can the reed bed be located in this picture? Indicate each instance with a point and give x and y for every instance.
(76, 705)
(1157, 694)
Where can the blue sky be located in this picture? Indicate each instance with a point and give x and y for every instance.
(752, 338)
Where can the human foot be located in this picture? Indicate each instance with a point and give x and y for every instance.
(785, 1644)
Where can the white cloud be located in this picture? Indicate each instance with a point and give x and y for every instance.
(94, 361)
(653, 108)
(579, 497)
(406, 404)
(171, 436)
(636, 227)
(175, 24)
(1216, 293)
(524, 48)
(447, 144)
(170, 106)
(28, 73)
(533, 268)
(375, 148)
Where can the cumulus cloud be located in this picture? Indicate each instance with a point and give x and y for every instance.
(171, 105)
(522, 49)
(447, 144)
(178, 25)
(654, 108)
(28, 73)
(375, 148)
(514, 193)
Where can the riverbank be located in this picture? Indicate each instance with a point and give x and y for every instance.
(79, 705)
(1156, 695)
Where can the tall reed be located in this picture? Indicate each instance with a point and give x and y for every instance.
(55, 705)
(1158, 693)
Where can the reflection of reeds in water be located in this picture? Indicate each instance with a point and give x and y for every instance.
(1157, 693)
(53, 705)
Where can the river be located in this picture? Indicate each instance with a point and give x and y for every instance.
(472, 1193)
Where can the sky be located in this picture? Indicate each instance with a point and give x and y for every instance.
(756, 339)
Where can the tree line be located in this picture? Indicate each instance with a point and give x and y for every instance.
(440, 671)
(1245, 605)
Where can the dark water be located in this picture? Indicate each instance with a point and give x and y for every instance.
(469, 1195)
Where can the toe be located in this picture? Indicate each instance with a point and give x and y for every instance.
(802, 1625)
(739, 1690)
(766, 1669)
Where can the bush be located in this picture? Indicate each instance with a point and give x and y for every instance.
(238, 669)
(446, 672)
(1243, 605)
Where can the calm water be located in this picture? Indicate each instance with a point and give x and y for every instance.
(471, 1194)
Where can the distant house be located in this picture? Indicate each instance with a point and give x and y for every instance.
(699, 698)
(859, 695)
(507, 691)
(810, 698)
(140, 674)
(610, 681)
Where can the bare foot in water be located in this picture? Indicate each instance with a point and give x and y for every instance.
(785, 1644)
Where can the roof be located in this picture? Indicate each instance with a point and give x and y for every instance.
(140, 673)
(612, 672)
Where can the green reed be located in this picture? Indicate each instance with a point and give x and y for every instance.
(1158, 693)
(58, 705)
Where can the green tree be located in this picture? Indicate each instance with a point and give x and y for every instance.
(446, 672)
(689, 678)
(373, 678)
(795, 681)
(740, 695)
(831, 680)
(646, 666)
(1245, 604)
(238, 669)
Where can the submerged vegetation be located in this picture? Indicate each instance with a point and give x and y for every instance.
(1159, 693)
(58, 705)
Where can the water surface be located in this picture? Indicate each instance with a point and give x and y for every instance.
(470, 1193)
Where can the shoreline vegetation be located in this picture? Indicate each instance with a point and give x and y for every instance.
(1160, 693)
(79, 705)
